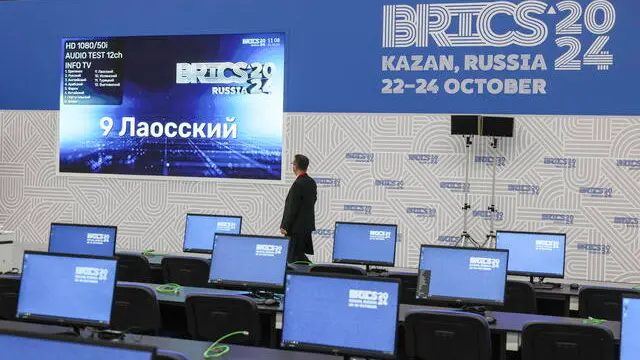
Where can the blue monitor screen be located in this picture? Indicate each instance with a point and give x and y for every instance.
(32, 348)
(371, 244)
(630, 331)
(82, 240)
(473, 276)
(200, 231)
(254, 261)
(532, 254)
(74, 290)
(358, 316)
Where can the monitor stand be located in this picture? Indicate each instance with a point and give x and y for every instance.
(377, 271)
(263, 297)
(541, 285)
(480, 310)
(75, 332)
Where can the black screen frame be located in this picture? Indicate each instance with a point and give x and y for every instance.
(336, 350)
(538, 274)
(463, 301)
(80, 340)
(251, 285)
(115, 234)
(53, 320)
(205, 251)
(363, 262)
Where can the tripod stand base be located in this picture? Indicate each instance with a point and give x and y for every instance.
(464, 237)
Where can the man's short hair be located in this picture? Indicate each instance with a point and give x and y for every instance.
(301, 162)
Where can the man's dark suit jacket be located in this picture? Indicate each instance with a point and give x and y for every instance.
(299, 214)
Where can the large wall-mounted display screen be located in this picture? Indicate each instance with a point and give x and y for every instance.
(206, 106)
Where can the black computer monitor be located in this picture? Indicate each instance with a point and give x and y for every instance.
(534, 254)
(468, 276)
(630, 328)
(82, 239)
(249, 261)
(20, 345)
(365, 244)
(200, 231)
(67, 289)
(341, 314)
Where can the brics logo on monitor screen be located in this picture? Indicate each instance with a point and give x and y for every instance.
(225, 226)
(268, 250)
(483, 263)
(368, 299)
(377, 235)
(547, 245)
(97, 239)
(90, 275)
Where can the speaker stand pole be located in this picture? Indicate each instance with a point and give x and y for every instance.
(465, 236)
(491, 237)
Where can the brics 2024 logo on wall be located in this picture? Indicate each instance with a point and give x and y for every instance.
(360, 209)
(327, 182)
(323, 232)
(627, 221)
(424, 212)
(488, 215)
(629, 164)
(390, 184)
(602, 249)
(524, 189)
(597, 192)
(455, 186)
(560, 219)
(359, 157)
(427, 159)
(561, 163)
(449, 239)
(488, 160)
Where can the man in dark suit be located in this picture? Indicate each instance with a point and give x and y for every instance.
(298, 220)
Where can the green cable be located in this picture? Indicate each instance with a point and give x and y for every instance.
(301, 262)
(591, 320)
(170, 288)
(151, 252)
(219, 350)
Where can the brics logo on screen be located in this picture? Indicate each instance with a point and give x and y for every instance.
(482, 263)
(255, 42)
(368, 299)
(90, 275)
(547, 245)
(268, 250)
(376, 235)
(225, 226)
(97, 239)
